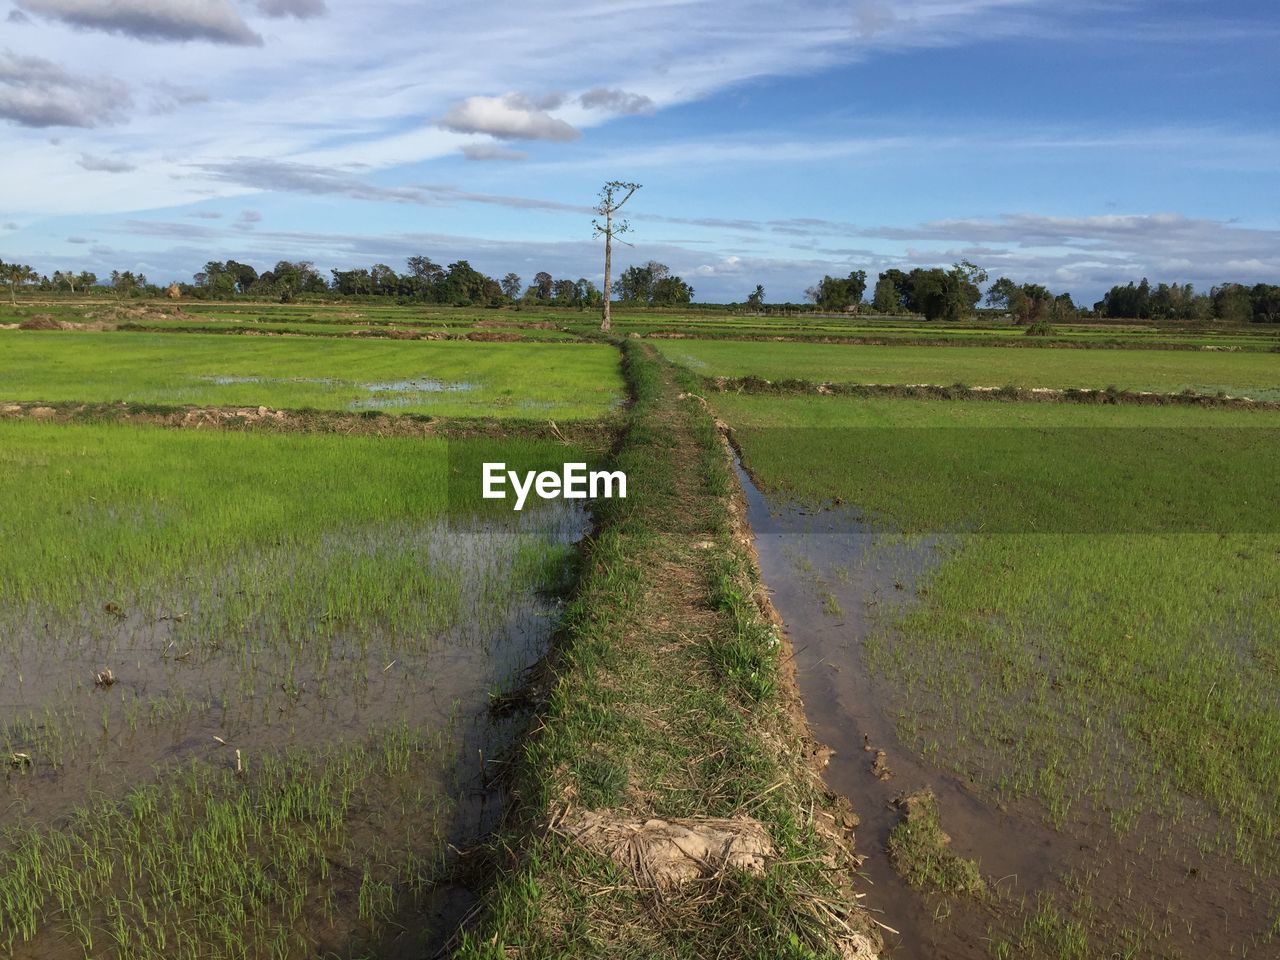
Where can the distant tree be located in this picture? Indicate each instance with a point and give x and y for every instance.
(635, 284)
(670, 290)
(839, 293)
(126, 284)
(588, 295)
(511, 286)
(565, 292)
(929, 292)
(886, 298)
(384, 281)
(243, 275)
(613, 195)
(1002, 294)
(16, 275)
(1129, 302)
(893, 291)
(464, 286)
(1266, 303)
(543, 285)
(87, 278)
(1232, 303)
(755, 299)
(967, 279)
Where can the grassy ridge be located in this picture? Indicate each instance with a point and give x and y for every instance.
(443, 378)
(663, 702)
(1256, 375)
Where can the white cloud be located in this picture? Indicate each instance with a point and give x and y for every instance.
(509, 117)
(616, 101)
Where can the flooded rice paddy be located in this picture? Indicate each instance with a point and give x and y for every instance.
(245, 715)
(1075, 885)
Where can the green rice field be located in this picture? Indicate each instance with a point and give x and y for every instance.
(443, 378)
(1092, 633)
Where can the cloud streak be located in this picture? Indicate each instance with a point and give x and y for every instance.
(104, 164)
(298, 9)
(215, 21)
(35, 92)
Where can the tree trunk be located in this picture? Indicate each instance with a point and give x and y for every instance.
(607, 322)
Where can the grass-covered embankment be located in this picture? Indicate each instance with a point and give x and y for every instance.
(664, 698)
(1254, 375)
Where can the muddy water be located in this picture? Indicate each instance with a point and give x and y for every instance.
(826, 571)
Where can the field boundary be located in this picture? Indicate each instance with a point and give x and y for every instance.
(666, 703)
(273, 420)
(1041, 343)
(961, 391)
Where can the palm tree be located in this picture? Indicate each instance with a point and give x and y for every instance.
(15, 274)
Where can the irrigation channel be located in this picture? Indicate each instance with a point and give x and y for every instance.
(826, 572)
(210, 673)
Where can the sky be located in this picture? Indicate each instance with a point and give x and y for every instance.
(1071, 144)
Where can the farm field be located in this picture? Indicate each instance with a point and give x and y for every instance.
(1058, 618)
(1256, 375)
(1068, 618)
(244, 670)
(442, 378)
(541, 322)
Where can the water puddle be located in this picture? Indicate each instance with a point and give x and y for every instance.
(418, 385)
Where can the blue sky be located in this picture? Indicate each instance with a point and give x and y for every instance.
(1076, 145)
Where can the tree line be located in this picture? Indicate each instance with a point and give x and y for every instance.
(932, 292)
(939, 294)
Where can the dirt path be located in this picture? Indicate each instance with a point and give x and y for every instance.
(669, 799)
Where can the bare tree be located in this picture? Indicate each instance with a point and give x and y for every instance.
(609, 205)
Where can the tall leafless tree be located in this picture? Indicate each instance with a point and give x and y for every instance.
(609, 205)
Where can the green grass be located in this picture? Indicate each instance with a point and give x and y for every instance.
(1256, 375)
(106, 511)
(445, 378)
(918, 849)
